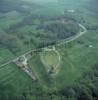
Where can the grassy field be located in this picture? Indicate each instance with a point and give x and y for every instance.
(10, 74)
(50, 59)
(76, 57)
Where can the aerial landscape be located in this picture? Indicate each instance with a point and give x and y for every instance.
(48, 50)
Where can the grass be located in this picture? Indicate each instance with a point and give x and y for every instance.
(10, 74)
(19, 80)
(75, 59)
(5, 55)
(49, 59)
(40, 71)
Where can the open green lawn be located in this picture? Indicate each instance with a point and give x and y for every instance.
(49, 59)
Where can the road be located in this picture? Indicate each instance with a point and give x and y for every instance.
(70, 39)
(58, 43)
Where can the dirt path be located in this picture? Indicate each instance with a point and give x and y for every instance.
(59, 58)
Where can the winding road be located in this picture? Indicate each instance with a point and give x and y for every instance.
(58, 43)
(70, 39)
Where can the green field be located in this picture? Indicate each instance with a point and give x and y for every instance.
(23, 30)
(50, 59)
